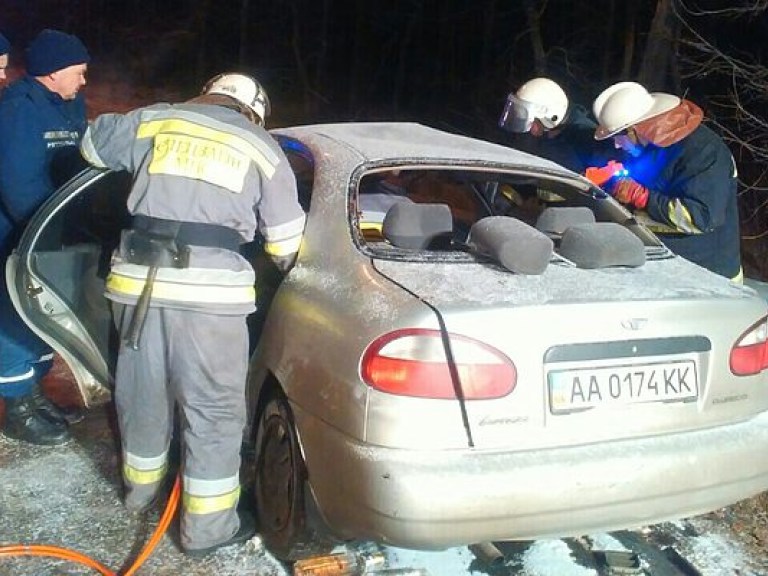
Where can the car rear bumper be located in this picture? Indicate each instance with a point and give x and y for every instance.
(439, 499)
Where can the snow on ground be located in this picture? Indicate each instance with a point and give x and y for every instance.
(713, 555)
(70, 496)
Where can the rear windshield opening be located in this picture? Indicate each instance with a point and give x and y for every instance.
(467, 195)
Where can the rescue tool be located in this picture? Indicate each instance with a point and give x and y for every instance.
(155, 249)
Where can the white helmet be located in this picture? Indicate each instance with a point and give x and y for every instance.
(625, 104)
(242, 88)
(538, 99)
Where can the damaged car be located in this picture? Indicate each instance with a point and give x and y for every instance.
(474, 345)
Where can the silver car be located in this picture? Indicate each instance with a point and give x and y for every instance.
(475, 344)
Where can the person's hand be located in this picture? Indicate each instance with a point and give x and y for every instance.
(600, 175)
(629, 192)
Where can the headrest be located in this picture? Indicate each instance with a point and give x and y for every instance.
(518, 247)
(602, 244)
(556, 220)
(417, 226)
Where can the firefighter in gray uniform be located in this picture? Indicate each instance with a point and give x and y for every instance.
(207, 175)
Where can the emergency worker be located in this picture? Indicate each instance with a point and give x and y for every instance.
(42, 118)
(681, 173)
(206, 175)
(548, 125)
(378, 195)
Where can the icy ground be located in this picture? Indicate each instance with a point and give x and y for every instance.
(70, 496)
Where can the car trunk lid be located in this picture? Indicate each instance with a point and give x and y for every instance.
(608, 353)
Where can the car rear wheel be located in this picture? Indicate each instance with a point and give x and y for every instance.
(279, 482)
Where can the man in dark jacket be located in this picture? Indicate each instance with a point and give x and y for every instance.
(681, 174)
(42, 119)
(546, 124)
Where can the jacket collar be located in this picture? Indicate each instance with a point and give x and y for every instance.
(672, 126)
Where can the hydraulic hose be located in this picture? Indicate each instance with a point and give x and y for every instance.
(79, 558)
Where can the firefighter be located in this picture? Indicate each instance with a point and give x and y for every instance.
(680, 173)
(42, 118)
(548, 125)
(206, 175)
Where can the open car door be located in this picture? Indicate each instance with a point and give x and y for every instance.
(56, 275)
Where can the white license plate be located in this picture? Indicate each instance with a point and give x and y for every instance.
(571, 390)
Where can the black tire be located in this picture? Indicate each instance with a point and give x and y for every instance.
(279, 481)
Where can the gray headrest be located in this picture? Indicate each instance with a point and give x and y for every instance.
(518, 247)
(556, 220)
(602, 244)
(417, 226)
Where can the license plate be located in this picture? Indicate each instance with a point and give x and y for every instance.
(571, 390)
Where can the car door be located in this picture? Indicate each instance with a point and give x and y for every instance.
(56, 275)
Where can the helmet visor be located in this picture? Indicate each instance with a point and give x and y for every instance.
(518, 115)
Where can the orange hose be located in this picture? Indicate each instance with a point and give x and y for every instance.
(78, 558)
(55, 552)
(165, 520)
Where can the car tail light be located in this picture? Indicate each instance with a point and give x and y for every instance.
(413, 362)
(750, 353)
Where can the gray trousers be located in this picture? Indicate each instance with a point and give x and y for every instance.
(196, 362)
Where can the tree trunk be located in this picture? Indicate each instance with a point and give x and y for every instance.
(533, 11)
(608, 39)
(656, 67)
(242, 53)
(298, 55)
(201, 28)
(359, 46)
(406, 44)
(629, 40)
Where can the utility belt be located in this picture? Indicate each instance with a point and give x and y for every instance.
(159, 243)
(178, 235)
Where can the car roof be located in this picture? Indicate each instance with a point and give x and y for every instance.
(377, 141)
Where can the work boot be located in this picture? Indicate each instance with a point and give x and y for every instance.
(245, 532)
(24, 421)
(53, 412)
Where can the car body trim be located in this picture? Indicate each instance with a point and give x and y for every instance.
(627, 349)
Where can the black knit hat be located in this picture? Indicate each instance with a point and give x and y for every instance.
(52, 50)
(5, 46)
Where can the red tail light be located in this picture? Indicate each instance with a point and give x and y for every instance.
(413, 363)
(750, 353)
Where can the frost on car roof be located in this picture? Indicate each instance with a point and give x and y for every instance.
(383, 140)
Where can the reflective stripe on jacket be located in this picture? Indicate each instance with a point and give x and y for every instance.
(692, 187)
(199, 163)
(193, 287)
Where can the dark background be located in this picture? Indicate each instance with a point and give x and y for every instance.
(445, 63)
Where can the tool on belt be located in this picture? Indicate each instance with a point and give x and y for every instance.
(159, 243)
